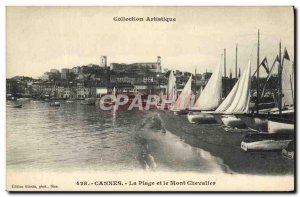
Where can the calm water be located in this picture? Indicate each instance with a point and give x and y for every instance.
(75, 136)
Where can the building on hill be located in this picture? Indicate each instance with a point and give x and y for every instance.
(137, 67)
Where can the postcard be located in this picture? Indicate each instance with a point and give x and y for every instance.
(150, 99)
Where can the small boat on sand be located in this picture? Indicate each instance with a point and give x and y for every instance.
(266, 141)
(231, 121)
(201, 117)
(280, 125)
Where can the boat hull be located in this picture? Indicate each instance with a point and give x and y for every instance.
(265, 145)
(280, 127)
(218, 118)
(180, 112)
(201, 118)
(255, 123)
(230, 121)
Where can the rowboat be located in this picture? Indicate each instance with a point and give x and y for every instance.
(280, 125)
(266, 142)
(201, 117)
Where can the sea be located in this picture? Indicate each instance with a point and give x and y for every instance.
(84, 137)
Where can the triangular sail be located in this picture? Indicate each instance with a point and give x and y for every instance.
(211, 96)
(171, 88)
(238, 99)
(183, 101)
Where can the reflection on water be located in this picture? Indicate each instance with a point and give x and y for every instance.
(78, 136)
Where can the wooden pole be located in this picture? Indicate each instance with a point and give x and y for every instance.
(236, 50)
(225, 72)
(257, 80)
(279, 81)
(291, 81)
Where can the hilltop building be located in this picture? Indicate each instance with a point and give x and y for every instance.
(138, 67)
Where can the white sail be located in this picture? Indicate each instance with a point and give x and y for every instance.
(171, 88)
(183, 101)
(287, 83)
(238, 99)
(211, 96)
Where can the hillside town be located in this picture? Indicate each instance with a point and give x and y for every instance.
(94, 80)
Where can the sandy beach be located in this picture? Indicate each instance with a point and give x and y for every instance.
(226, 145)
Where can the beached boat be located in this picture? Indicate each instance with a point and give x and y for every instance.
(266, 141)
(202, 117)
(280, 125)
(55, 104)
(289, 151)
(260, 122)
(283, 123)
(208, 100)
(237, 102)
(280, 119)
(182, 104)
(254, 122)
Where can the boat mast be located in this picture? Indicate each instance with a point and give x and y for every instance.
(279, 81)
(225, 71)
(291, 82)
(230, 78)
(291, 79)
(236, 50)
(257, 80)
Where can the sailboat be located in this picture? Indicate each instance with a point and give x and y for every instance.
(237, 102)
(275, 120)
(284, 122)
(171, 93)
(182, 103)
(208, 100)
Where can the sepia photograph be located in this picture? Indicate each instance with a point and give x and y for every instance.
(150, 99)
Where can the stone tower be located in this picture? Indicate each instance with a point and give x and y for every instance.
(159, 63)
(103, 61)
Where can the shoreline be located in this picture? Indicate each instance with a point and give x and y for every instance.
(226, 146)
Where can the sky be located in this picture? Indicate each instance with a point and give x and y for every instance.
(41, 38)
